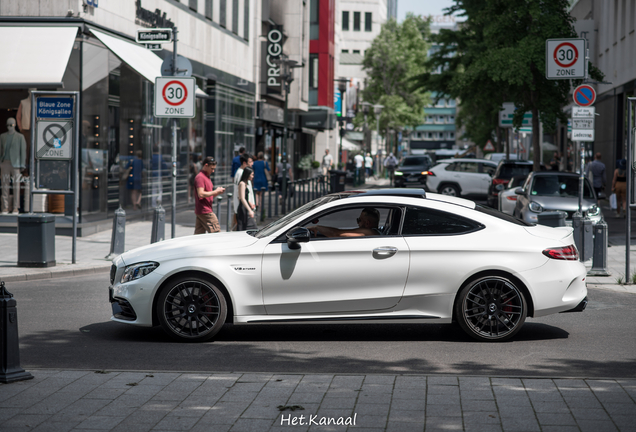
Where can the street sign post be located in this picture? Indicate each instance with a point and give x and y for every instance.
(507, 113)
(583, 112)
(583, 123)
(584, 95)
(565, 59)
(175, 97)
(54, 140)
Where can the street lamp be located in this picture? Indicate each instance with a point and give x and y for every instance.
(287, 76)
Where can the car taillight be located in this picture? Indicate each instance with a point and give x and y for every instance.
(427, 173)
(512, 198)
(504, 182)
(563, 253)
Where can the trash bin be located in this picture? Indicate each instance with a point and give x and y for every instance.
(337, 180)
(36, 240)
(552, 219)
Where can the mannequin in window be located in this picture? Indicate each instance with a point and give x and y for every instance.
(12, 161)
(23, 116)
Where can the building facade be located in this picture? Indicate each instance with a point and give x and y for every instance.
(89, 47)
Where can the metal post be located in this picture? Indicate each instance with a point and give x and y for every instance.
(10, 370)
(269, 203)
(174, 140)
(630, 167)
(158, 232)
(229, 213)
(218, 199)
(276, 204)
(118, 235)
(262, 203)
(581, 176)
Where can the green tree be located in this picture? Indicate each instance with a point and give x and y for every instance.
(498, 55)
(395, 57)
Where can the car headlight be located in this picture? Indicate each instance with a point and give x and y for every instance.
(535, 207)
(398, 173)
(594, 211)
(137, 271)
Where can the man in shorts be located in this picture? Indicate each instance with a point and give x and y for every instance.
(207, 221)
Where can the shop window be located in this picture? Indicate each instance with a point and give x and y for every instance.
(208, 9)
(345, 20)
(368, 21)
(222, 13)
(235, 16)
(314, 29)
(356, 21)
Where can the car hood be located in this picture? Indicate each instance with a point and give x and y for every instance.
(556, 233)
(194, 245)
(568, 204)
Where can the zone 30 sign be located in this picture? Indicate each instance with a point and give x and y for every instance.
(565, 59)
(175, 97)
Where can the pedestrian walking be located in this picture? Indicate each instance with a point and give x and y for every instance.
(283, 168)
(359, 161)
(261, 168)
(619, 187)
(327, 162)
(206, 220)
(368, 165)
(597, 170)
(245, 214)
(390, 163)
(236, 162)
(133, 179)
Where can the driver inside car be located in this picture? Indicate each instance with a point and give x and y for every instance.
(368, 222)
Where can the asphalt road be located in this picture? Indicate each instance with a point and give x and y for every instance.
(64, 323)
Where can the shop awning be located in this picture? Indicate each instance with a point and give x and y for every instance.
(144, 61)
(348, 145)
(34, 56)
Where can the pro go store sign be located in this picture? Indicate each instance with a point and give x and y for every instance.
(175, 97)
(274, 51)
(565, 59)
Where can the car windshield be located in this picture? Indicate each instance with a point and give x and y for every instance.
(298, 213)
(416, 161)
(560, 185)
(513, 170)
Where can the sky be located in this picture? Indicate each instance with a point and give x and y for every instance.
(422, 7)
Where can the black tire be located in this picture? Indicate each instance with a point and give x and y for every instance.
(191, 309)
(491, 309)
(449, 189)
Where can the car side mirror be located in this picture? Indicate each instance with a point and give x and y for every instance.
(297, 235)
(520, 191)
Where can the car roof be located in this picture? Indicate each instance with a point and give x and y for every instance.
(553, 173)
(466, 160)
(516, 161)
(409, 193)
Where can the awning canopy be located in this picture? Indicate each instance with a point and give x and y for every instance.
(34, 56)
(349, 146)
(144, 61)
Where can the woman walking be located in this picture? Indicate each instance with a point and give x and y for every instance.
(260, 178)
(619, 187)
(245, 215)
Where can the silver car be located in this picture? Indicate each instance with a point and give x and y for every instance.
(551, 191)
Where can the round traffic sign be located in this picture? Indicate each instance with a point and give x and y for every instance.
(584, 95)
(174, 93)
(565, 54)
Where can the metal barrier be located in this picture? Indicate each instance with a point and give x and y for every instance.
(158, 232)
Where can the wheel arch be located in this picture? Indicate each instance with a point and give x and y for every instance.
(450, 183)
(200, 274)
(515, 280)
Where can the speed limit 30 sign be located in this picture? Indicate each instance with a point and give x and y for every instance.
(565, 59)
(175, 97)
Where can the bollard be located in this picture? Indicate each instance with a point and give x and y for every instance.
(229, 213)
(118, 236)
(10, 370)
(583, 236)
(262, 203)
(158, 232)
(218, 199)
(277, 196)
(599, 260)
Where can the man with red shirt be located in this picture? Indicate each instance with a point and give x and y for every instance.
(205, 193)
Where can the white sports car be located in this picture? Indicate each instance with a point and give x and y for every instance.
(433, 259)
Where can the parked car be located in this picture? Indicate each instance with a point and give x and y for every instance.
(507, 198)
(551, 191)
(434, 259)
(463, 177)
(505, 171)
(412, 170)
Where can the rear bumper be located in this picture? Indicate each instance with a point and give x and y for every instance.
(579, 308)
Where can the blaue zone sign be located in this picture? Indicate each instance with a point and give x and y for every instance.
(54, 107)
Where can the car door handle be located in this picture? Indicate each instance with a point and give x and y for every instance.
(384, 252)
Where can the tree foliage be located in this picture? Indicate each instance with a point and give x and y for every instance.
(498, 55)
(395, 57)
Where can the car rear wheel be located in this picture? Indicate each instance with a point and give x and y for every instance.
(191, 309)
(449, 189)
(491, 308)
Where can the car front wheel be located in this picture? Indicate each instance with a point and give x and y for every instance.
(491, 308)
(191, 309)
(449, 189)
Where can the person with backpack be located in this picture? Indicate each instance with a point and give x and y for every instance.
(390, 163)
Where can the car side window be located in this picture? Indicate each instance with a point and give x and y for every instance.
(469, 167)
(451, 167)
(390, 218)
(488, 169)
(424, 221)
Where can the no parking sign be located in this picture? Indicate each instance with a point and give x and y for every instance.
(175, 97)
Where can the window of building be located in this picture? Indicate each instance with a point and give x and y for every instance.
(356, 21)
(222, 12)
(451, 102)
(208, 9)
(430, 135)
(345, 51)
(235, 16)
(451, 135)
(368, 21)
(313, 79)
(246, 20)
(356, 51)
(345, 20)
(314, 29)
(440, 119)
(430, 119)
(193, 4)
(451, 119)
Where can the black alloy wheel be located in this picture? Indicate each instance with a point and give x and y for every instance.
(491, 309)
(191, 309)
